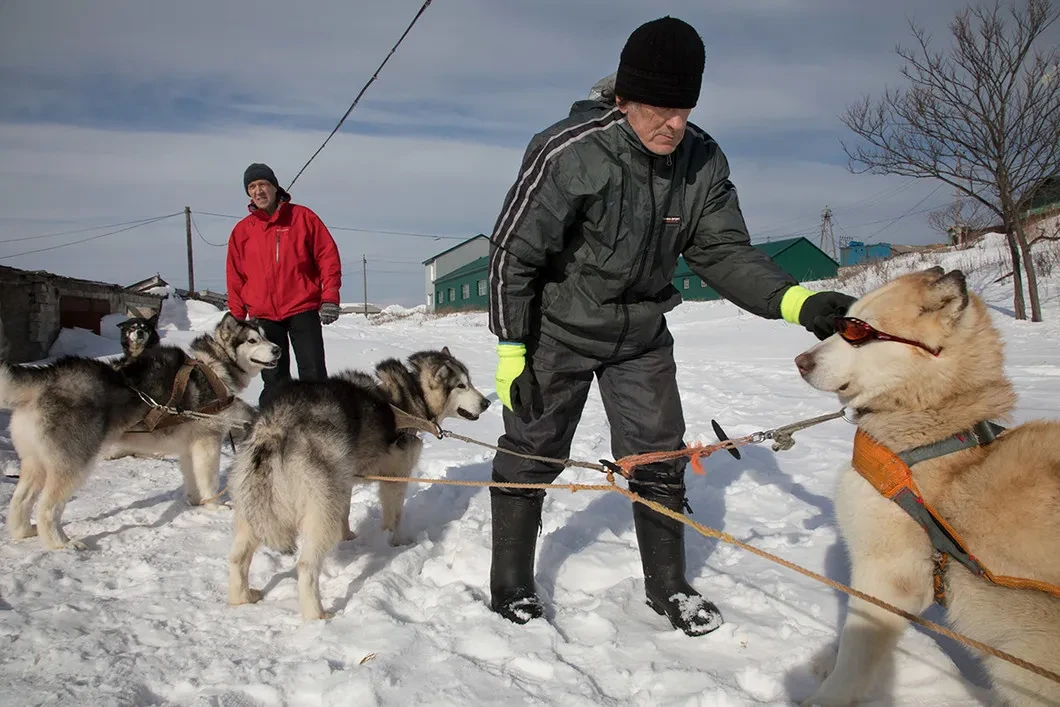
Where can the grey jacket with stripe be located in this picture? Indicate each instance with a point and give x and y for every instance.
(588, 239)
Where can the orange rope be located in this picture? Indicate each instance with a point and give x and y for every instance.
(725, 537)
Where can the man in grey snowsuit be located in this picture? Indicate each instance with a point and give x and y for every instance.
(580, 277)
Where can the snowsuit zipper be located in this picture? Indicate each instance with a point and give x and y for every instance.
(649, 242)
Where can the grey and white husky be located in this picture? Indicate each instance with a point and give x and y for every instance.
(310, 444)
(67, 414)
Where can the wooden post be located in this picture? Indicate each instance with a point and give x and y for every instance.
(364, 272)
(191, 259)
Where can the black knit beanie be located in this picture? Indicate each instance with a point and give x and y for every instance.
(258, 171)
(662, 65)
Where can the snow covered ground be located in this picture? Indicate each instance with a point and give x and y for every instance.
(141, 619)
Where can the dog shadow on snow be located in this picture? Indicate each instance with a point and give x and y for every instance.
(428, 509)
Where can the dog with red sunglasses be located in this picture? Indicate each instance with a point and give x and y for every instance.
(921, 362)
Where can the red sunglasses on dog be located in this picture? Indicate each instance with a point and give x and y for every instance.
(857, 333)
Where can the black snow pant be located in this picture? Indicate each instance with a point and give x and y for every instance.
(306, 337)
(641, 400)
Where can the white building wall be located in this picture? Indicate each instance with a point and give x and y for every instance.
(447, 263)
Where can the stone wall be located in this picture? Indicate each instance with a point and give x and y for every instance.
(33, 306)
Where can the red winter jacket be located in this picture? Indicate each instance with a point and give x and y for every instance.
(281, 265)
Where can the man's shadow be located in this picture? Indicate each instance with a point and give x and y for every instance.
(706, 497)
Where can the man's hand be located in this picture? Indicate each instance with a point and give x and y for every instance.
(819, 312)
(329, 312)
(516, 386)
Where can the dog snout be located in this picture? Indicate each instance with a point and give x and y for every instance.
(483, 404)
(805, 363)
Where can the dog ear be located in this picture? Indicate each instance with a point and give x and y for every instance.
(936, 270)
(123, 325)
(153, 319)
(445, 350)
(948, 294)
(228, 325)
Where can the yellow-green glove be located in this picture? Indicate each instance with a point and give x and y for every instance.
(516, 385)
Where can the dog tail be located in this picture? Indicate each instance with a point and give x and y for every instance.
(256, 496)
(16, 384)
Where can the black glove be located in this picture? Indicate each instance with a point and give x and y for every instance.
(527, 402)
(819, 312)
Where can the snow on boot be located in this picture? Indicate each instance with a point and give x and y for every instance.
(662, 552)
(515, 520)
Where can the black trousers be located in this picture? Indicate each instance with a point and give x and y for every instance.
(641, 401)
(304, 332)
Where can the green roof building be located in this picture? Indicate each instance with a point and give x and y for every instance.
(463, 288)
(799, 257)
(466, 288)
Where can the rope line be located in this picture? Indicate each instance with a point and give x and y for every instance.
(365, 88)
(707, 531)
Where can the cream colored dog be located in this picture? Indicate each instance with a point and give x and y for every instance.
(920, 362)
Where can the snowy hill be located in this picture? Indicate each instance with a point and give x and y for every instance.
(141, 619)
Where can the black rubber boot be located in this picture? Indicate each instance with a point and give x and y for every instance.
(662, 552)
(516, 521)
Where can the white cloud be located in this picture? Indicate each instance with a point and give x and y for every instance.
(778, 75)
(434, 186)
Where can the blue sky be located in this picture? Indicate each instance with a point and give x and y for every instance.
(136, 109)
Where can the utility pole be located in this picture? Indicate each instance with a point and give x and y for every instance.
(827, 241)
(364, 273)
(191, 259)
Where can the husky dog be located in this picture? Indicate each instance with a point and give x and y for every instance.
(67, 413)
(138, 334)
(920, 361)
(294, 476)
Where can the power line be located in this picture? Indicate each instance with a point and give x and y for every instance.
(90, 238)
(82, 230)
(858, 205)
(909, 212)
(358, 98)
(202, 238)
(432, 236)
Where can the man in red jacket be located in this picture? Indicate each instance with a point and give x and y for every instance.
(283, 269)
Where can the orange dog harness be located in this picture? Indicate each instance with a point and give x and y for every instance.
(891, 475)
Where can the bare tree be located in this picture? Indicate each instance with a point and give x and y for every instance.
(983, 117)
(963, 217)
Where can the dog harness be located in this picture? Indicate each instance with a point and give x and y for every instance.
(891, 475)
(173, 412)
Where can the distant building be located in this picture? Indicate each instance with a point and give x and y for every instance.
(463, 288)
(466, 287)
(443, 265)
(798, 257)
(857, 252)
(36, 305)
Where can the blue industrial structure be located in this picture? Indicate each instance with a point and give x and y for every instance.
(857, 252)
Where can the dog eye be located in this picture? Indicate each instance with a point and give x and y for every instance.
(462, 386)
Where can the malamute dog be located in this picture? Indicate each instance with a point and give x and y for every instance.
(138, 334)
(921, 362)
(294, 475)
(67, 413)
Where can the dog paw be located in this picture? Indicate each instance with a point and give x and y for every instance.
(399, 540)
(214, 506)
(68, 544)
(252, 596)
(319, 616)
(23, 533)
